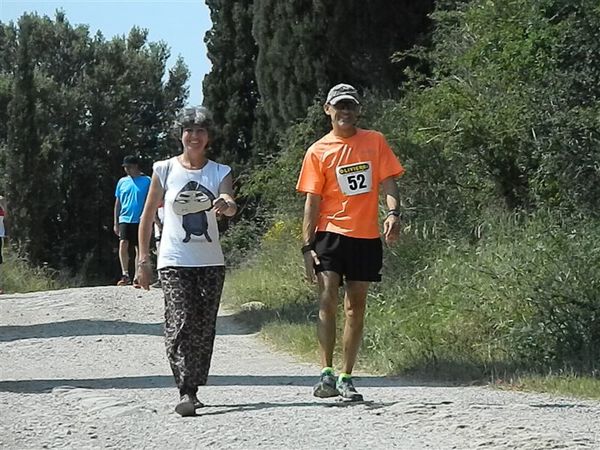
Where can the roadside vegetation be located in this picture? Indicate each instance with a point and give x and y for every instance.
(497, 274)
(18, 275)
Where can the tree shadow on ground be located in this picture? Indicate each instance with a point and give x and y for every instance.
(207, 410)
(166, 381)
(295, 313)
(226, 325)
(78, 327)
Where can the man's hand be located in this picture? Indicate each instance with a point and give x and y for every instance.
(310, 260)
(391, 229)
(116, 228)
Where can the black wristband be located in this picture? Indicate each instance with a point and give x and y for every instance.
(306, 248)
(392, 212)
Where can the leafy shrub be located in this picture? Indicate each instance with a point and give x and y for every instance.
(524, 296)
(17, 275)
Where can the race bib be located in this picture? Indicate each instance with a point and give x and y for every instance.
(355, 179)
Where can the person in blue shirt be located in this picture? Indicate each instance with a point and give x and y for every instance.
(130, 196)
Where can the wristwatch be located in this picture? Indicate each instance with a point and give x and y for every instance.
(306, 248)
(392, 212)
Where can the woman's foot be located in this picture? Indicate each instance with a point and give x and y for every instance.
(186, 406)
(197, 403)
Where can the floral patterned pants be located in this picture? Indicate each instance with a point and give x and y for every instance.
(192, 296)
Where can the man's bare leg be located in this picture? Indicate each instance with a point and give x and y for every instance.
(355, 301)
(136, 262)
(124, 256)
(354, 307)
(329, 283)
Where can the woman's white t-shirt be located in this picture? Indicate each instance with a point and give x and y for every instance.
(190, 236)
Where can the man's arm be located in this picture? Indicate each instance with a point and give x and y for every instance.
(3, 205)
(309, 226)
(391, 224)
(311, 216)
(116, 213)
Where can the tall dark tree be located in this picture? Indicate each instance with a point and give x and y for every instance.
(26, 187)
(8, 64)
(306, 46)
(230, 90)
(76, 106)
(292, 57)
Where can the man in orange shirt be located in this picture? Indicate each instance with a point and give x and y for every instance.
(341, 175)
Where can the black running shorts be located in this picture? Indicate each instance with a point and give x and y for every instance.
(355, 259)
(129, 232)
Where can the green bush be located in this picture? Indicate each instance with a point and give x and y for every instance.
(520, 294)
(17, 275)
(525, 295)
(273, 276)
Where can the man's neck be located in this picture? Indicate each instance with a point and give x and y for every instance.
(344, 133)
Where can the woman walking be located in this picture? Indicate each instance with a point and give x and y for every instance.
(194, 191)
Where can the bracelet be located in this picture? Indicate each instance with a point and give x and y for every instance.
(393, 212)
(306, 248)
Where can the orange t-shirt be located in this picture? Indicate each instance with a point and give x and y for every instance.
(346, 173)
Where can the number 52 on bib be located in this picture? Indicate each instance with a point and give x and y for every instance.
(355, 179)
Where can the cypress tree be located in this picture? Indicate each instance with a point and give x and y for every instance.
(26, 171)
(230, 90)
(305, 46)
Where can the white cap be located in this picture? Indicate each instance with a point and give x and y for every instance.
(342, 92)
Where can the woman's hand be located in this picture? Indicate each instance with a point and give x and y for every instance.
(222, 206)
(144, 273)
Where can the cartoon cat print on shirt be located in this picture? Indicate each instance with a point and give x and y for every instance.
(192, 202)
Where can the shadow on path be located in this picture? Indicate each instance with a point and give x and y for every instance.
(226, 325)
(166, 381)
(79, 327)
(331, 403)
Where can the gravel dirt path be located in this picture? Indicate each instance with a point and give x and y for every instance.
(86, 368)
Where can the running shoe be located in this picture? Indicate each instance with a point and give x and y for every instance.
(326, 386)
(124, 281)
(347, 390)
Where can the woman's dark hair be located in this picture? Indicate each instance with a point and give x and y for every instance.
(193, 116)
